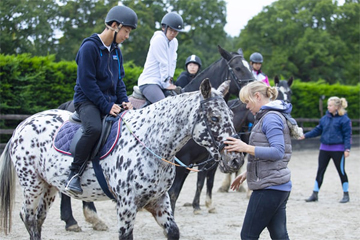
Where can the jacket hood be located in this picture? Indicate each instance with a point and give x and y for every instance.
(95, 39)
(278, 105)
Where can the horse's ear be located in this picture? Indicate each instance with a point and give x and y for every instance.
(225, 54)
(205, 88)
(240, 52)
(224, 87)
(290, 81)
(276, 80)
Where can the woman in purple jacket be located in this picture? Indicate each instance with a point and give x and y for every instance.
(269, 152)
(335, 131)
(100, 88)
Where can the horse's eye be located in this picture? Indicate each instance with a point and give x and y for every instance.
(238, 69)
(214, 119)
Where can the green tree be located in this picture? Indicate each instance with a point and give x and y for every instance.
(309, 39)
(27, 26)
(78, 20)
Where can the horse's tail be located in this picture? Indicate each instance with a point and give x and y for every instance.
(7, 189)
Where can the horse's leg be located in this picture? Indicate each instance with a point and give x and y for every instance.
(126, 213)
(37, 201)
(174, 191)
(225, 185)
(210, 177)
(91, 216)
(199, 186)
(162, 212)
(66, 214)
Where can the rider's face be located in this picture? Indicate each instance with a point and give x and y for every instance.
(123, 34)
(171, 33)
(256, 66)
(192, 68)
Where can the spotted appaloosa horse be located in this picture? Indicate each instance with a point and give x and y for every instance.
(135, 170)
(284, 93)
(231, 66)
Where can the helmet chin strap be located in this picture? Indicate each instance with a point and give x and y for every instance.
(116, 30)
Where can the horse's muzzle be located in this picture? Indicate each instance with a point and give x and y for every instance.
(233, 164)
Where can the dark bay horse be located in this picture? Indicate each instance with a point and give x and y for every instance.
(231, 66)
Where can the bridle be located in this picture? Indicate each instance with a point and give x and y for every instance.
(238, 82)
(202, 117)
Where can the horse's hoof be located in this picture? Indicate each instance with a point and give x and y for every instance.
(223, 189)
(100, 226)
(187, 204)
(212, 210)
(73, 228)
(197, 212)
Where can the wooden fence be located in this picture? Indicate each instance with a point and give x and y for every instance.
(300, 121)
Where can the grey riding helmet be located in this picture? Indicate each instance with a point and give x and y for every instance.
(193, 59)
(123, 15)
(256, 57)
(174, 21)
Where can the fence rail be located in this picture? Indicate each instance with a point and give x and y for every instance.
(300, 121)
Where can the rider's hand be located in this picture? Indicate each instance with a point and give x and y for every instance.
(115, 109)
(127, 105)
(171, 87)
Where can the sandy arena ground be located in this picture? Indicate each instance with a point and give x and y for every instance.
(326, 219)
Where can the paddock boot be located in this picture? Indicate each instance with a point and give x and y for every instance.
(345, 198)
(73, 184)
(313, 197)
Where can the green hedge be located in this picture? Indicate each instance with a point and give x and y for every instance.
(32, 84)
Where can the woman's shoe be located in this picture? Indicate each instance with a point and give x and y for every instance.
(313, 197)
(345, 198)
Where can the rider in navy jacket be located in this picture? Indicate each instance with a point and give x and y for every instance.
(102, 84)
(99, 89)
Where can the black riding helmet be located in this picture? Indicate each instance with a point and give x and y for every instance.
(193, 59)
(123, 15)
(174, 21)
(256, 57)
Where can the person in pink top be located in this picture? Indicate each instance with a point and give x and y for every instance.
(256, 60)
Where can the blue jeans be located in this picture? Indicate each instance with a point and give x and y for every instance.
(266, 209)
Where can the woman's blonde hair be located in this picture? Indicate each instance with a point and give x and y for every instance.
(247, 92)
(340, 103)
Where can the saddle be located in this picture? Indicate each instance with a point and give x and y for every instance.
(70, 132)
(107, 123)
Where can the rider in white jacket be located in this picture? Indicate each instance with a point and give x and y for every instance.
(161, 59)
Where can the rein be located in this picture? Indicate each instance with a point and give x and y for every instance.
(152, 152)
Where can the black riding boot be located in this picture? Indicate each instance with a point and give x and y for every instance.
(345, 198)
(313, 197)
(73, 184)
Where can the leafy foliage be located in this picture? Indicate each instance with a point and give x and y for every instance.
(309, 39)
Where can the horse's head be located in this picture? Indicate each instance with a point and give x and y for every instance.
(239, 68)
(283, 87)
(214, 124)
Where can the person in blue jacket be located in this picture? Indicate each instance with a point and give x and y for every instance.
(335, 131)
(192, 68)
(100, 88)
